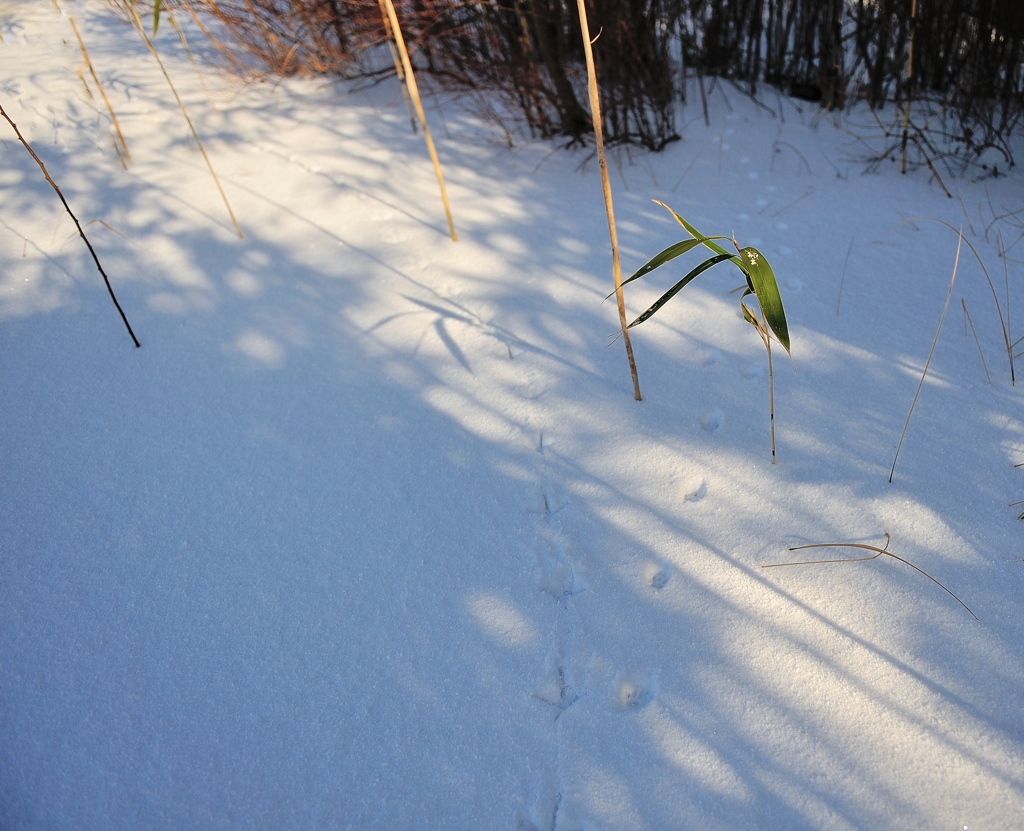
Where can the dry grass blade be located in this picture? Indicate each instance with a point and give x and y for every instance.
(991, 285)
(122, 150)
(114, 230)
(595, 115)
(969, 322)
(149, 44)
(846, 262)
(1006, 281)
(78, 225)
(927, 363)
(785, 208)
(878, 553)
(191, 59)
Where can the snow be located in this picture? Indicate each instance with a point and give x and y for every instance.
(370, 533)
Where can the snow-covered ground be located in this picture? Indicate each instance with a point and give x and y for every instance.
(370, 533)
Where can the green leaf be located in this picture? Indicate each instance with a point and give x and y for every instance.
(694, 232)
(156, 16)
(672, 292)
(665, 256)
(766, 289)
(751, 318)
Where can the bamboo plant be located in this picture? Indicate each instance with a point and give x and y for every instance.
(768, 320)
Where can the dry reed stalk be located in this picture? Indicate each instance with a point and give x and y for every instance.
(399, 71)
(191, 59)
(969, 322)
(229, 56)
(846, 262)
(995, 297)
(595, 115)
(78, 225)
(878, 553)
(410, 79)
(133, 15)
(931, 352)
(124, 156)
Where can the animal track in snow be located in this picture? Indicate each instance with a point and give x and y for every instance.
(751, 371)
(657, 574)
(693, 488)
(635, 690)
(558, 692)
(708, 357)
(550, 503)
(712, 421)
(529, 390)
(559, 580)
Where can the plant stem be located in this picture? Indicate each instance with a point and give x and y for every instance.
(399, 71)
(142, 33)
(846, 262)
(878, 553)
(771, 393)
(126, 156)
(410, 80)
(928, 362)
(595, 115)
(78, 225)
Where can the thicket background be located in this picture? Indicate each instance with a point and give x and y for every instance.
(966, 78)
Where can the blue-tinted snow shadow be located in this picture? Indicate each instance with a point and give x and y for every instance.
(256, 575)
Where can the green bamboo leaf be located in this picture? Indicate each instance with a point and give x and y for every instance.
(749, 315)
(665, 256)
(762, 281)
(156, 15)
(694, 232)
(672, 292)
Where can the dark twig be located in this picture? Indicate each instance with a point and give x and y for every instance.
(878, 553)
(78, 225)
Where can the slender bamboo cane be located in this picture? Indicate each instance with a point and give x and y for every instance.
(595, 114)
(410, 80)
(399, 71)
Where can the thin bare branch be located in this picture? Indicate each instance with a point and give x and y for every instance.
(78, 225)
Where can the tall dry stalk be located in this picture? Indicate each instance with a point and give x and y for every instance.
(399, 70)
(595, 114)
(931, 352)
(134, 17)
(410, 80)
(122, 150)
(191, 59)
